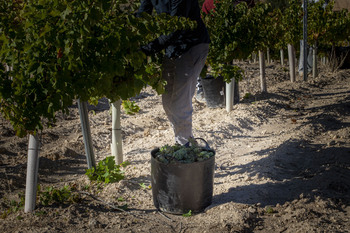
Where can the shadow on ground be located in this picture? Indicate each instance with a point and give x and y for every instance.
(292, 170)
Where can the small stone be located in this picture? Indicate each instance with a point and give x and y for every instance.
(331, 143)
(251, 210)
(248, 178)
(70, 221)
(94, 223)
(3, 150)
(55, 156)
(146, 132)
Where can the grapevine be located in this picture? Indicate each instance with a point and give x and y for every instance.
(63, 50)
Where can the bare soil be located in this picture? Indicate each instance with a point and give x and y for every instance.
(282, 163)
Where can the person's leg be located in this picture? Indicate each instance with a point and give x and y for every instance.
(301, 59)
(181, 76)
(168, 74)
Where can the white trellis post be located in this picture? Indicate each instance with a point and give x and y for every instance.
(85, 126)
(314, 61)
(32, 173)
(268, 55)
(291, 60)
(229, 96)
(262, 71)
(116, 146)
(282, 57)
(254, 57)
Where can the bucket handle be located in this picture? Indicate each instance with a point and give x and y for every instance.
(207, 147)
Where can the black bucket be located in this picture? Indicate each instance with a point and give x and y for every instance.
(214, 91)
(178, 188)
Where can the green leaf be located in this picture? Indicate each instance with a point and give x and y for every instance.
(106, 171)
(188, 214)
(130, 107)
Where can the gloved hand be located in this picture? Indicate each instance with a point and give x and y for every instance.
(151, 48)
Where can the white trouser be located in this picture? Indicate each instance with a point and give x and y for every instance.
(309, 57)
(181, 76)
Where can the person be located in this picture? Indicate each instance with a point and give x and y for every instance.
(208, 6)
(185, 55)
(309, 50)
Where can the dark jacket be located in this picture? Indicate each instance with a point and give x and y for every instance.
(176, 43)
